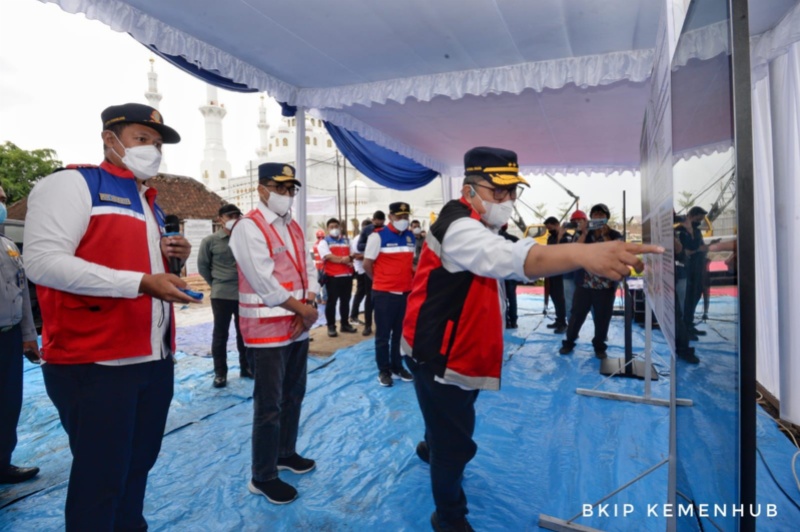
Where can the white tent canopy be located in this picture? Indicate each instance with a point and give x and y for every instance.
(562, 82)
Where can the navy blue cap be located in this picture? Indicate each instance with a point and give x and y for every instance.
(496, 165)
(278, 172)
(399, 207)
(137, 113)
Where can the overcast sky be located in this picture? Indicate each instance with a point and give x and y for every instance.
(59, 71)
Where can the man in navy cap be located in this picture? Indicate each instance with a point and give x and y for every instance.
(453, 327)
(94, 246)
(389, 262)
(277, 288)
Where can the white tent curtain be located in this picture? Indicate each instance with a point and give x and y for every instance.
(784, 78)
(768, 359)
(776, 161)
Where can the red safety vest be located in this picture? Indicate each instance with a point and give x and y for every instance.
(80, 329)
(317, 258)
(339, 248)
(264, 326)
(394, 266)
(453, 321)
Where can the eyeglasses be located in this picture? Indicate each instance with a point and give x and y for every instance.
(283, 190)
(500, 194)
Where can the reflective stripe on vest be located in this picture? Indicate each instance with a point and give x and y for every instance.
(262, 325)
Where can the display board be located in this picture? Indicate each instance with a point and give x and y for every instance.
(195, 231)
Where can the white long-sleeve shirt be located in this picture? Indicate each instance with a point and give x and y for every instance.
(252, 255)
(59, 210)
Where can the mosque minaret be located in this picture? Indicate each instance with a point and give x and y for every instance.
(215, 168)
(153, 99)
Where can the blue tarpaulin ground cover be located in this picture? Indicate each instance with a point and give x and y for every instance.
(542, 448)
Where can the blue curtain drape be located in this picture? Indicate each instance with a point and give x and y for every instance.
(382, 165)
(209, 76)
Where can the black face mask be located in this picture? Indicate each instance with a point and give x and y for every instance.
(695, 224)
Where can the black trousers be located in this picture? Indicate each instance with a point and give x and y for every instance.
(340, 289)
(601, 302)
(449, 415)
(224, 310)
(115, 418)
(362, 294)
(390, 309)
(511, 302)
(10, 391)
(280, 374)
(557, 295)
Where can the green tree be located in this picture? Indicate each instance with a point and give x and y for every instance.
(686, 200)
(540, 211)
(19, 169)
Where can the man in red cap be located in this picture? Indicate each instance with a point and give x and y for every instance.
(94, 246)
(453, 327)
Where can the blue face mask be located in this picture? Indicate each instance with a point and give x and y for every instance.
(3, 213)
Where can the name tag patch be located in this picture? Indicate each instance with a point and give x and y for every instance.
(114, 199)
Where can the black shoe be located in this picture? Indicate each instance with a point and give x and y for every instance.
(367, 331)
(14, 475)
(276, 491)
(332, 332)
(404, 375)
(552, 325)
(385, 378)
(693, 337)
(346, 327)
(688, 355)
(354, 319)
(220, 381)
(511, 325)
(296, 464)
(423, 452)
(565, 350)
(697, 332)
(561, 329)
(245, 374)
(461, 526)
(602, 355)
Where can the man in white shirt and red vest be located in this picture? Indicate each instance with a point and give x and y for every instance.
(453, 327)
(94, 246)
(338, 267)
(389, 261)
(277, 287)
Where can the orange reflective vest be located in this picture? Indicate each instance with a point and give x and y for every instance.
(264, 326)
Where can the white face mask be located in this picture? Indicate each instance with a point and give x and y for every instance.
(229, 225)
(417, 230)
(278, 204)
(334, 233)
(400, 225)
(142, 161)
(497, 214)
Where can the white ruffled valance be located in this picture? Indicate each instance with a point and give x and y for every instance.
(586, 71)
(702, 43)
(771, 44)
(121, 17)
(702, 151)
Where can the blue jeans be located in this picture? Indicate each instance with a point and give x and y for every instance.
(280, 386)
(390, 309)
(569, 292)
(115, 418)
(449, 414)
(10, 391)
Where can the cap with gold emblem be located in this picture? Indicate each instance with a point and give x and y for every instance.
(278, 172)
(399, 207)
(496, 165)
(137, 113)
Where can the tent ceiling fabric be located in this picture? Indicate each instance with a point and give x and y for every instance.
(563, 82)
